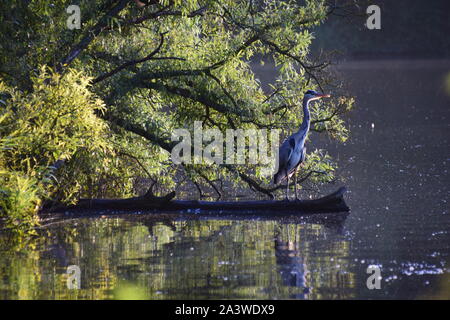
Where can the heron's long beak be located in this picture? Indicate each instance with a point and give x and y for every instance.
(323, 95)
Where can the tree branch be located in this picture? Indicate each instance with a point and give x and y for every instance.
(191, 95)
(166, 145)
(162, 13)
(308, 69)
(134, 62)
(90, 35)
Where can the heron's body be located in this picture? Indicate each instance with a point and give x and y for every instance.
(291, 155)
(293, 151)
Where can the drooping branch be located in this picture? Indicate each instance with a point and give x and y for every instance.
(138, 161)
(102, 25)
(250, 182)
(90, 35)
(338, 110)
(200, 97)
(347, 9)
(166, 13)
(210, 183)
(225, 91)
(130, 63)
(143, 79)
(130, 127)
(308, 69)
(327, 119)
(254, 185)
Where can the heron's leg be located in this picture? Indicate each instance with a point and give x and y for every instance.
(295, 185)
(287, 189)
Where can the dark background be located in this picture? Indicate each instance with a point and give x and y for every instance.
(409, 29)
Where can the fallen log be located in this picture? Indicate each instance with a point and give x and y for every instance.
(333, 202)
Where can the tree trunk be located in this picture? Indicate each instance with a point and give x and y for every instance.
(331, 203)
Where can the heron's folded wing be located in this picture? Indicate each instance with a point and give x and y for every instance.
(285, 152)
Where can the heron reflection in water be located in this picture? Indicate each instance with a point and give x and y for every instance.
(292, 267)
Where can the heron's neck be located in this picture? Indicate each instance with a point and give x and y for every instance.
(306, 116)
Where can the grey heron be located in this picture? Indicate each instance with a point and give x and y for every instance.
(292, 152)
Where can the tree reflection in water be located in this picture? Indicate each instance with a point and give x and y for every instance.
(177, 258)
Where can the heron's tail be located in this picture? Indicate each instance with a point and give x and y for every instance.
(278, 177)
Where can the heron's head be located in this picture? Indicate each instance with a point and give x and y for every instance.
(314, 95)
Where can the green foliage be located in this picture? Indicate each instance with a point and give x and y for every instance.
(51, 123)
(132, 75)
(19, 201)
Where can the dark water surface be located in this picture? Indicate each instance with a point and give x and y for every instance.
(396, 171)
